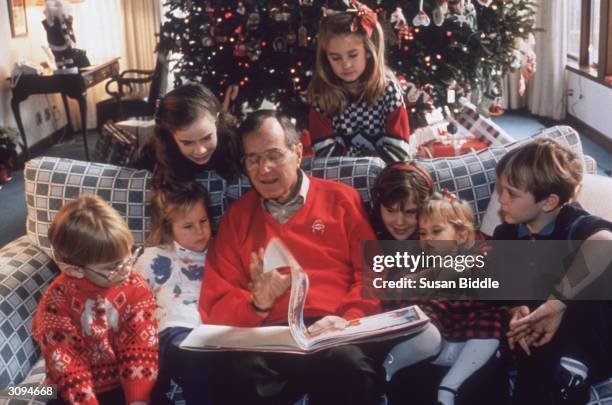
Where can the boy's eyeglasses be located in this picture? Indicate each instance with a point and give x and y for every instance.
(272, 156)
(111, 272)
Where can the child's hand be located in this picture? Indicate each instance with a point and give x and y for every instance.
(519, 335)
(230, 95)
(328, 323)
(266, 287)
(544, 321)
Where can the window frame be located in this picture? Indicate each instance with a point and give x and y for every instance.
(603, 70)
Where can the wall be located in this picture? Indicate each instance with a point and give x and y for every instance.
(99, 29)
(25, 48)
(595, 106)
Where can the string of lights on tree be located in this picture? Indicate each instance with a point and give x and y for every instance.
(441, 49)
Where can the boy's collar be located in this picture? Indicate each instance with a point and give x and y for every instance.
(548, 229)
(523, 231)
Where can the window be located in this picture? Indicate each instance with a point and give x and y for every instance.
(573, 29)
(594, 33)
(589, 36)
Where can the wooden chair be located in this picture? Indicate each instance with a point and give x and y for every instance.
(125, 101)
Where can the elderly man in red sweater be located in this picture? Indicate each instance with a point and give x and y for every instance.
(323, 224)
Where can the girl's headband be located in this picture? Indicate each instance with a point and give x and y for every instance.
(405, 167)
(364, 17)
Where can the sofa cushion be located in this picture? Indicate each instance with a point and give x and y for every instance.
(594, 196)
(357, 172)
(50, 182)
(25, 272)
(472, 176)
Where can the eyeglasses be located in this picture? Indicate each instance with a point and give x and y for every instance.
(112, 272)
(109, 273)
(272, 156)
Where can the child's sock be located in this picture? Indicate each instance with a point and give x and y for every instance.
(472, 355)
(420, 347)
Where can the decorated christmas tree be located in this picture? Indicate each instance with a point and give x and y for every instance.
(441, 49)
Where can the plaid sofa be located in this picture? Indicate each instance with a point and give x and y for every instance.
(26, 269)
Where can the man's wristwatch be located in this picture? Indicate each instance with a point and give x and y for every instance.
(258, 309)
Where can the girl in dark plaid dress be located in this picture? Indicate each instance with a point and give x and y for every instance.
(356, 104)
(470, 330)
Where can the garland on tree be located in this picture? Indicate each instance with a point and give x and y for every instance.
(441, 49)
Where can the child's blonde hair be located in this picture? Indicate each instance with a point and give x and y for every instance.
(326, 90)
(542, 167)
(451, 209)
(172, 203)
(89, 231)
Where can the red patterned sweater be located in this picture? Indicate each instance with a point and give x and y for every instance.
(324, 236)
(97, 339)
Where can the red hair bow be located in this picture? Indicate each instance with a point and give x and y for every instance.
(448, 194)
(365, 17)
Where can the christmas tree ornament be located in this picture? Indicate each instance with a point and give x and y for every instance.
(421, 19)
(302, 36)
(253, 50)
(485, 3)
(280, 15)
(208, 42)
(241, 9)
(279, 44)
(397, 18)
(253, 21)
(527, 63)
(456, 6)
(439, 14)
(240, 50)
(291, 38)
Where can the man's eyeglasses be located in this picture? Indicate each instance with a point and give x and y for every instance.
(272, 156)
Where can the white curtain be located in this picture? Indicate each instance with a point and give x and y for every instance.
(545, 95)
(511, 99)
(98, 26)
(548, 87)
(142, 23)
(114, 28)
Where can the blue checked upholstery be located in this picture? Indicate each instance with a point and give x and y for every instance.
(357, 172)
(25, 272)
(472, 176)
(50, 182)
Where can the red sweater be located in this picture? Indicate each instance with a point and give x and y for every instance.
(97, 339)
(324, 236)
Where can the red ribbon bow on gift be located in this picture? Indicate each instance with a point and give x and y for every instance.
(365, 17)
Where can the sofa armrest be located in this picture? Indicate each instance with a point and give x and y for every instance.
(25, 272)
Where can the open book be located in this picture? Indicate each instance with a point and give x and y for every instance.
(296, 338)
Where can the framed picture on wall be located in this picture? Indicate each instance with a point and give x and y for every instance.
(17, 15)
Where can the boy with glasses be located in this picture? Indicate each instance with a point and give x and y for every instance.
(96, 322)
